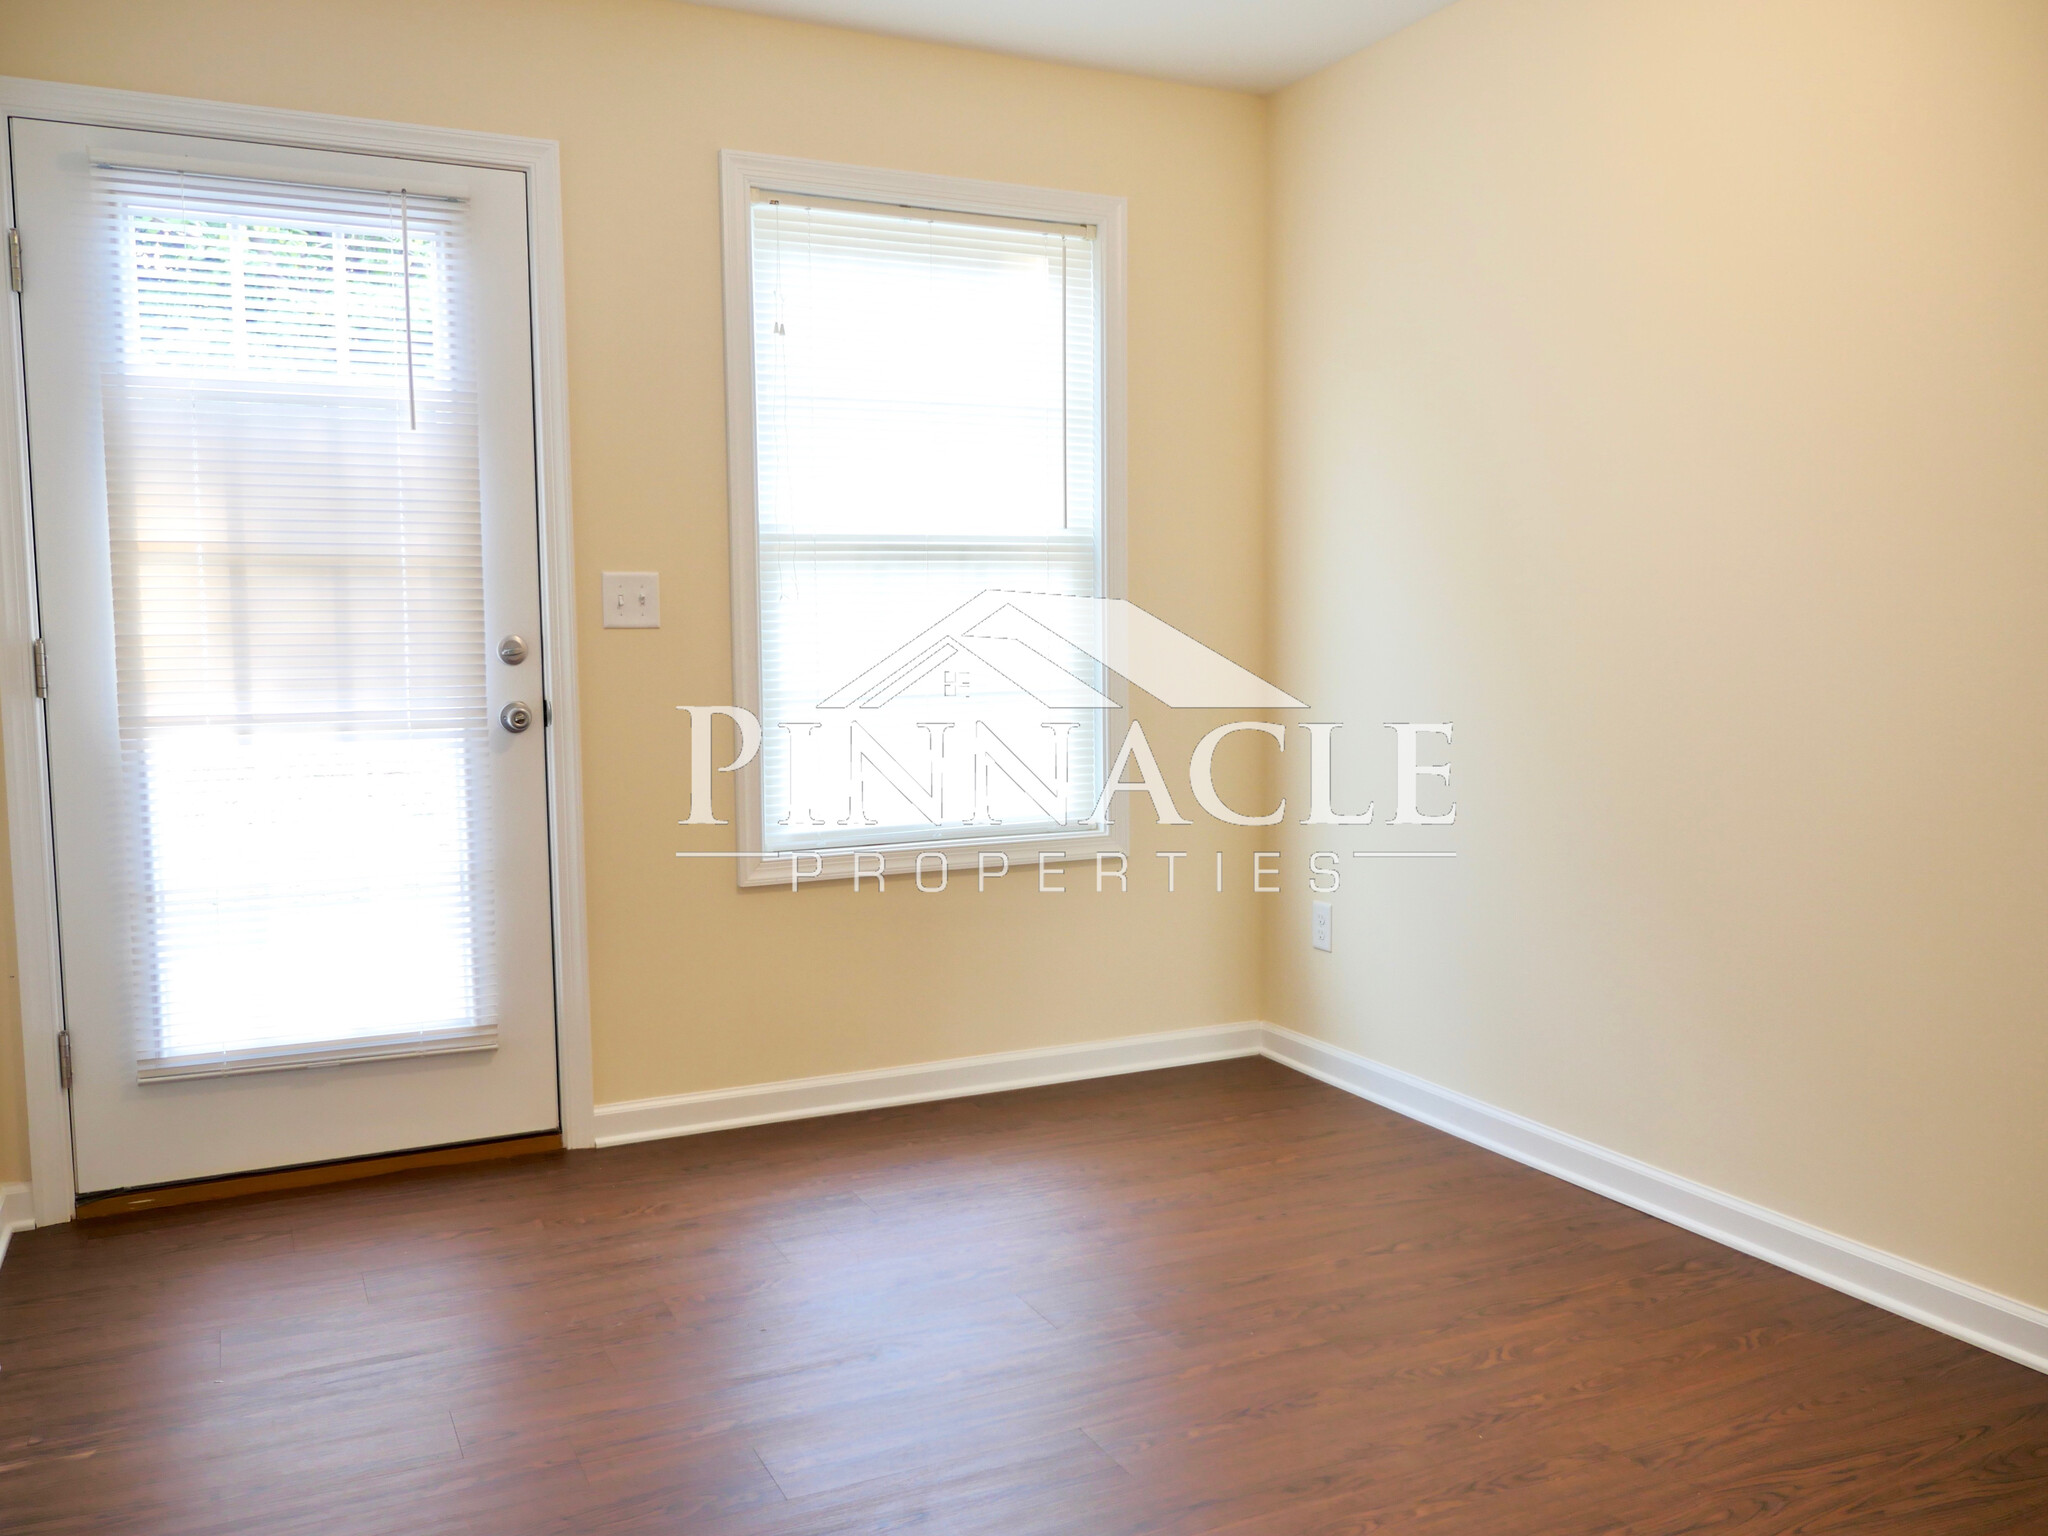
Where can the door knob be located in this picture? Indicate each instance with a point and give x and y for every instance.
(516, 717)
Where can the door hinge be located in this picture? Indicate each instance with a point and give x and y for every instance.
(14, 259)
(64, 1057)
(42, 659)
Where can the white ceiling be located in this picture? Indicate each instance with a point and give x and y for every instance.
(1253, 45)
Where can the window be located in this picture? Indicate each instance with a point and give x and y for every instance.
(925, 438)
(291, 450)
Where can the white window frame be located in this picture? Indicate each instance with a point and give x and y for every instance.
(28, 824)
(741, 176)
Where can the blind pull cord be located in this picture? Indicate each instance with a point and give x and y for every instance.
(1066, 407)
(412, 410)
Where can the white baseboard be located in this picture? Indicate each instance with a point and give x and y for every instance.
(1956, 1307)
(1968, 1312)
(688, 1114)
(1984, 1318)
(17, 1213)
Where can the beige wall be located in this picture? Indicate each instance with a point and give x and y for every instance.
(1662, 396)
(695, 985)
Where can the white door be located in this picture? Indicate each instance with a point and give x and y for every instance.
(281, 443)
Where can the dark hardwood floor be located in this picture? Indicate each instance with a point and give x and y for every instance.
(1220, 1298)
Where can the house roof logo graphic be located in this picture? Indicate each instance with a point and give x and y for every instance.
(1019, 636)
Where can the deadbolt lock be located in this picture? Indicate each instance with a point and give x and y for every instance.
(512, 650)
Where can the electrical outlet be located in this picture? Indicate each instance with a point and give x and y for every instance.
(632, 600)
(1319, 924)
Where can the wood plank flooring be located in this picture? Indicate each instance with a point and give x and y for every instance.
(1214, 1299)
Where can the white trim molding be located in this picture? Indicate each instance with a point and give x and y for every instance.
(17, 1213)
(1955, 1307)
(21, 725)
(690, 1114)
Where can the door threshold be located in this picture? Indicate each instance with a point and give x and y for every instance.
(126, 1202)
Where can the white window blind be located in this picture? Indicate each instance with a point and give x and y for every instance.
(295, 539)
(928, 426)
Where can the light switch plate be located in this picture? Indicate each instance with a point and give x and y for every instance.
(1319, 924)
(632, 600)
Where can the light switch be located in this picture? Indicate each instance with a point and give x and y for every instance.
(632, 600)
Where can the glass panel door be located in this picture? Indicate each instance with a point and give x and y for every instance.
(281, 437)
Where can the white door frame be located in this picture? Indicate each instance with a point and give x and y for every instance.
(21, 718)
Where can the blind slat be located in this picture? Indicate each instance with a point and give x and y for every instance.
(296, 546)
(927, 429)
